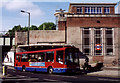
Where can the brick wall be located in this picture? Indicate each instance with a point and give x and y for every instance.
(92, 22)
(74, 33)
(40, 36)
(73, 9)
(112, 11)
(46, 36)
(20, 38)
(61, 25)
(119, 43)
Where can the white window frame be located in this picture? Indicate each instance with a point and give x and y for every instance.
(107, 8)
(93, 12)
(79, 8)
(86, 8)
(99, 10)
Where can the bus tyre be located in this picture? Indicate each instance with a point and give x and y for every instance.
(50, 70)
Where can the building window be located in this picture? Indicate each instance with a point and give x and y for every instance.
(97, 35)
(86, 51)
(106, 10)
(86, 31)
(99, 10)
(97, 40)
(79, 10)
(109, 41)
(98, 52)
(87, 10)
(109, 52)
(109, 31)
(93, 10)
(86, 41)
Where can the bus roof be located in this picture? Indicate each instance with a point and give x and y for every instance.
(64, 45)
(27, 52)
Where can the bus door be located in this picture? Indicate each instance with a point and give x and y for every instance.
(49, 58)
(59, 58)
(24, 60)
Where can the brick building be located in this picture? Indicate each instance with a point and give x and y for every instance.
(94, 28)
(91, 24)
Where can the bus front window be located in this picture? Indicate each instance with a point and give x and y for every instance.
(71, 57)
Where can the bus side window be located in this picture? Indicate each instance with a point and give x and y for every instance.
(32, 58)
(49, 56)
(24, 58)
(59, 56)
(41, 57)
(18, 58)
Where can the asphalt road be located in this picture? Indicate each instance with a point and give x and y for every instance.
(18, 76)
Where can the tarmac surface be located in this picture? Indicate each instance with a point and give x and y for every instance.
(106, 75)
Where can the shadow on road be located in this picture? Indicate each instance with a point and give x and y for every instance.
(81, 72)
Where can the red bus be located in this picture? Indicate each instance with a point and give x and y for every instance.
(59, 60)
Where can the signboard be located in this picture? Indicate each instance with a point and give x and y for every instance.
(98, 46)
(36, 63)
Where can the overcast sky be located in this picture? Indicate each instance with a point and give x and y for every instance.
(41, 11)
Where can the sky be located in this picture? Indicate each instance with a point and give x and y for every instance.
(41, 11)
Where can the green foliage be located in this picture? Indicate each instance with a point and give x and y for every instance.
(12, 31)
(47, 26)
(44, 26)
(33, 27)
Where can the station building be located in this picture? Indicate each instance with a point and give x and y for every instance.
(94, 28)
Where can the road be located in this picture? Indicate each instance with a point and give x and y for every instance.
(18, 76)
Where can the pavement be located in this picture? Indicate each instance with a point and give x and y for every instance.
(107, 72)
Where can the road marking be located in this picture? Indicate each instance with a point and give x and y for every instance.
(65, 76)
(50, 80)
(21, 76)
(9, 77)
(107, 79)
(30, 79)
(69, 76)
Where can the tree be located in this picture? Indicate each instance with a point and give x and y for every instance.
(12, 31)
(17, 28)
(47, 26)
(25, 29)
(33, 27)
(44, 26)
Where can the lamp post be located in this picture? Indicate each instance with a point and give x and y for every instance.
(28, 24)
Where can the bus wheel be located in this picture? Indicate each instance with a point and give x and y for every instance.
(50, 70)
(23, 69)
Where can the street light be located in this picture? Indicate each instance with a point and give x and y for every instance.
(28, 23)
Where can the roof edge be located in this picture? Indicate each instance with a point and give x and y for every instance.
(93, 3)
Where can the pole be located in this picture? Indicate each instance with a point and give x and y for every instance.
(4, 70)
(28, 26)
